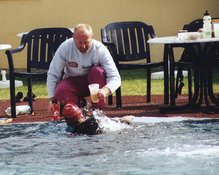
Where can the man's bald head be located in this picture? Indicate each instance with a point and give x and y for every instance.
(83, 35)
(83, 29)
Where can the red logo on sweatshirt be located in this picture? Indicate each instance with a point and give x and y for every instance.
(72, 64)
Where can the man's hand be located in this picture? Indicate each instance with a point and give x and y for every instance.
(104, 92)
(55, 109)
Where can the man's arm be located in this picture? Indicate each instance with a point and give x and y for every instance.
(113, 79)
(55, 72)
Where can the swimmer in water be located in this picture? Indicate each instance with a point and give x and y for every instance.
(91, 122)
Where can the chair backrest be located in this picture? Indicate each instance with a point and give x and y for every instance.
(42, 44)
(195, 25)
(129, 39)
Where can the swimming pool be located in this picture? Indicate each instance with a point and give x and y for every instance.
(154, 146)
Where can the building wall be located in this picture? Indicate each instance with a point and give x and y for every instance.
(167, 16)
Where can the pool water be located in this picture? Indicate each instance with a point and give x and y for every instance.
(149, 147)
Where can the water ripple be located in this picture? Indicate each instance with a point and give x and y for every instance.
(180, 147)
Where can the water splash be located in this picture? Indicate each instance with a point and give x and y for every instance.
(107, 124)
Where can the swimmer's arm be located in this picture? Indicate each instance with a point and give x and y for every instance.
(127, 119)
(124, 119)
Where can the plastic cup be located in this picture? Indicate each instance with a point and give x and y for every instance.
(94, 89)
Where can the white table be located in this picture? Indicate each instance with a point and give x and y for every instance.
(175, 40)
(5, 46)
(203, 84)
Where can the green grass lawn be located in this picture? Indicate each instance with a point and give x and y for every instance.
(133, 83)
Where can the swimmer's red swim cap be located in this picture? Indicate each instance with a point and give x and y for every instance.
(72, 113)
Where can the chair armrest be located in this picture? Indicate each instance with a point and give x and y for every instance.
(19, 48)
(105, 41)
(111, 46)
(16, 50)
(10, 53)
(108, 44)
